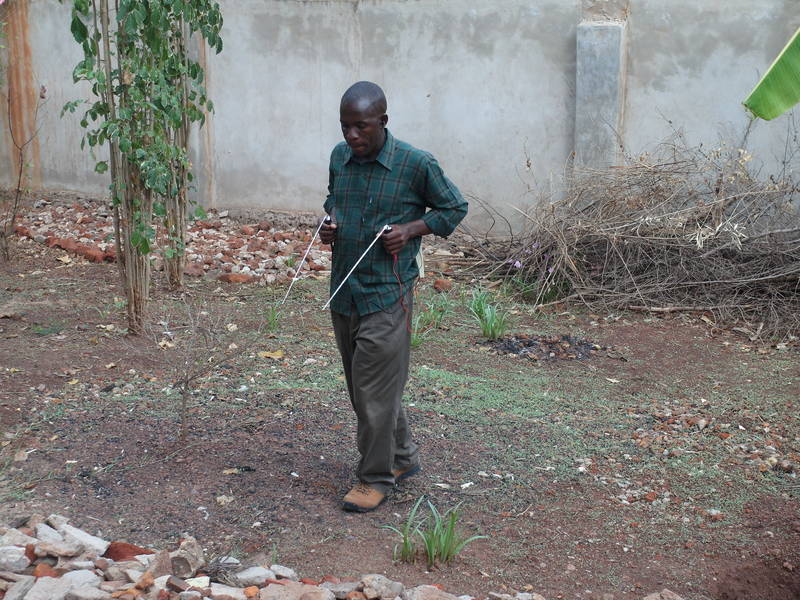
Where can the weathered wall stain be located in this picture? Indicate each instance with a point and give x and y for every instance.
(23, 96)
(207, 134)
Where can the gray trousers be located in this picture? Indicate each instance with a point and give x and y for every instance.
(375, 353)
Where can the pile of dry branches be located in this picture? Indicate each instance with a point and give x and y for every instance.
(688, 230)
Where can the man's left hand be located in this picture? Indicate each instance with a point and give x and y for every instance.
(396, 239)
(402, 233)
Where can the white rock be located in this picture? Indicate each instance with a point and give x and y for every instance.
(217, 589)
(62, 548)
(427, 592)
(133, 575)
(57, 521)
(20, 587)
(340, 590)
(254, 576)
(80, 537)
(160, 583)
(378, 586)
(77, 565)
(282, 572)
(14, 537)
(291, 590)
(664, 594)
(87, 593)
(200, 582)
(49, 588)
(45, 533)
(12, 558)
(82, 578)
(145, 559)
(190, 595)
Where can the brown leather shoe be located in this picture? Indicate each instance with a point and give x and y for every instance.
(402, 474)
(363, 498)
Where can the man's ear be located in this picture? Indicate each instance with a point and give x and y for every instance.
(384, 119)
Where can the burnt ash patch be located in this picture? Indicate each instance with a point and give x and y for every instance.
(555, 347)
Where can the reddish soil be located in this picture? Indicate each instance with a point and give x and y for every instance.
(112, 459)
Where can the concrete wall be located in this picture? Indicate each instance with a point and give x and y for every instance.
(482, 84)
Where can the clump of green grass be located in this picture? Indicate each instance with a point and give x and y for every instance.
(418, 330)
(441, 540)
(406, 549)
(431, 317)
(48, 329)
(272, 319)
(493, 320)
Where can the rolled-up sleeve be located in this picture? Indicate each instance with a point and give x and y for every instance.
(447, 206)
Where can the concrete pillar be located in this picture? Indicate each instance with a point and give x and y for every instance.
(599, 93)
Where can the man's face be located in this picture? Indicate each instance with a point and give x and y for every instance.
(363, 128)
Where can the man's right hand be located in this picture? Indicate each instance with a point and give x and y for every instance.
(328, 231)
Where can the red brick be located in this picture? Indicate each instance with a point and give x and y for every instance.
(194, 269)
(248, 230)
(45, 570)
(235, 278)
(119, 551)
(443, 285)
(90, 253)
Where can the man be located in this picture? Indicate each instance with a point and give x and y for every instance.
(377, 180)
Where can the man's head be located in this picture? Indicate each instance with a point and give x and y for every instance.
(363, 117)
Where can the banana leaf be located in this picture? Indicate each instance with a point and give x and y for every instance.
(779, 88)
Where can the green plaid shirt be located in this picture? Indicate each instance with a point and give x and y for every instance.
(397, 187)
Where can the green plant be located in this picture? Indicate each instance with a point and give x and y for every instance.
(290, 261)
(406, 549)
(272, 319)
(418, 330)
(438, 307)
(48, 329)
(441, 540)
(518, 287)
(493, 320)
(779, 89)
(478, 302)
(147, 92)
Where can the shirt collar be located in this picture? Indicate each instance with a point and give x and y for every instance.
(385, 156)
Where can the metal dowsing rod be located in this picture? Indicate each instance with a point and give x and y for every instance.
(300, 266)
(381, 231)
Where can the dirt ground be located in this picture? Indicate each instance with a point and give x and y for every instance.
(667, 460)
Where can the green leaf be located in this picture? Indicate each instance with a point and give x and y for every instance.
(779, 88)
(101, 167)
(78, 29)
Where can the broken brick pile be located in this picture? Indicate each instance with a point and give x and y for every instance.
(49, 559)
(46, 558)
(216, 246)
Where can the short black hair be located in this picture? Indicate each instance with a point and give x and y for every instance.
(368, 93)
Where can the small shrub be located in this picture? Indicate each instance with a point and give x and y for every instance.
(494, 321)
(478, 303)
(441, 541)
(272, 319)
(406, 549)
(418, 330)
(438, 307)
